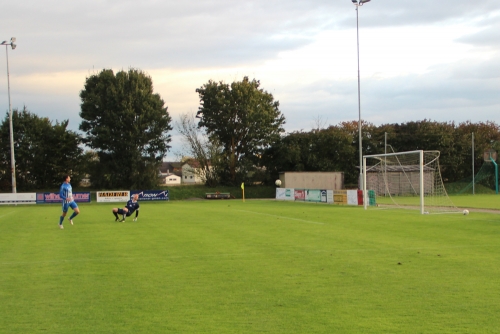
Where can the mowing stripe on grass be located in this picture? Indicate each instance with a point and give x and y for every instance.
(244, 254)
(483, 220)
(282, 217)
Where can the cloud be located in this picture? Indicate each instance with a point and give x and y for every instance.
(159, 34)
(393, 13)
(487, 38)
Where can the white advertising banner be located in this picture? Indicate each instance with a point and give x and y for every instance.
(352, 197)
(18, 198)
(285, 194)
(113, 196)
(329, 196)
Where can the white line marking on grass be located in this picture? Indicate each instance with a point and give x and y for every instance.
(8, 213)
(283, 217)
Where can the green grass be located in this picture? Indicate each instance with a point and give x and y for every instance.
(478, 201)
(255, 267)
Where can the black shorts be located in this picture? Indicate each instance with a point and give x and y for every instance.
(121, 212)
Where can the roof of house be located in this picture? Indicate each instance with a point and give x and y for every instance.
(171, 167)
(194, 163)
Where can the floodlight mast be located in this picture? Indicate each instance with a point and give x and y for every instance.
(12, 160)
(360, 139)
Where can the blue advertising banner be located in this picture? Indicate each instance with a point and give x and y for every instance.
(54, 197)
(151, 195)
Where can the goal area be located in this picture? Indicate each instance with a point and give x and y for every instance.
(409, 180)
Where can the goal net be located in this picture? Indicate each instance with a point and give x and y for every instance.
(407, 180)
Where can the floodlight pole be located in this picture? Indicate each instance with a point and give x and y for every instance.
(12, 160)
(473, 181)
(360, 139)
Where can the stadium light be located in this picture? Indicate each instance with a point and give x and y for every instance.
(360, 181)
(12, 161)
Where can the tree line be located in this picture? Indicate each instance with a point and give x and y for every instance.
(237, 136)
(336, 148)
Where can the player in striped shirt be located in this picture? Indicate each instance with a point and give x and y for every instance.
(66, 194)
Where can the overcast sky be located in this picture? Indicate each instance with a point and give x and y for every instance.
(425, 59)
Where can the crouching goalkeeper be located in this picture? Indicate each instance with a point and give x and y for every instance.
(131, 206)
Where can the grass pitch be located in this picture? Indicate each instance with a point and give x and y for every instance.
(253, 267)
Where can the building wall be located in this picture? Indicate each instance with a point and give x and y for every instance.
(312, 180)
(171, 179)
(190, 175)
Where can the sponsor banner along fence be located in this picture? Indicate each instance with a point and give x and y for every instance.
(313, 195)
(113, 196)
(348, 197)
(151, 195)
(42, 198)
(299, 194)
(18, 198)
(285, 194)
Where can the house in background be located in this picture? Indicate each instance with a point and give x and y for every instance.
(192, 173)
(170, 173)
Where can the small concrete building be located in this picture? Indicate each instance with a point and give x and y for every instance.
(312, 180)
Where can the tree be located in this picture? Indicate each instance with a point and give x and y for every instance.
(486, 137)
(43, 152)
(244, 119)
(336, 148)
(207, 153)
(127, 125)
(324, 150)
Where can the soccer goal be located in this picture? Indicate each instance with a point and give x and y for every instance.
(407, 180)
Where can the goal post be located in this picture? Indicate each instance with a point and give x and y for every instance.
(406, 179)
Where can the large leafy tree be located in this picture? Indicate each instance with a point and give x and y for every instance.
(127, 125)
(44, 152)
(244, 119)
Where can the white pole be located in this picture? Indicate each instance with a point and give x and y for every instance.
(385, 162)
(365, 204)
(12, 160)
(422, 190)
(360, 139)
(473, 183)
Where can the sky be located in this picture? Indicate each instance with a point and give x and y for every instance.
(425, 59)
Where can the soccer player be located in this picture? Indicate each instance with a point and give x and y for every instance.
(66, 194)
(131, 206)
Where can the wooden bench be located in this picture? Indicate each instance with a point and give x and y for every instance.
(217, 195)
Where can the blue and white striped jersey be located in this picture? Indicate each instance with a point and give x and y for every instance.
(66, 192)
